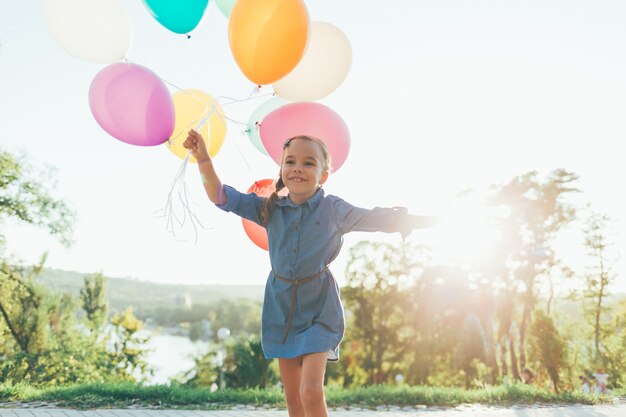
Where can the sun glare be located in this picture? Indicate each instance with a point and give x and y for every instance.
(465, 236)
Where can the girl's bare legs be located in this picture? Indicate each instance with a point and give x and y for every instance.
(290, 373)
(312, 385)
(303, 379)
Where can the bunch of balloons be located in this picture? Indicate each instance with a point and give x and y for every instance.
(272, 41)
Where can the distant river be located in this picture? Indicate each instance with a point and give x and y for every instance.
(171, 355)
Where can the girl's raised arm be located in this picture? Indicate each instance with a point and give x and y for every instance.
(210, 180)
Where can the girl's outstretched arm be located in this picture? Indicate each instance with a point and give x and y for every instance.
(422, 222)
(210, 180)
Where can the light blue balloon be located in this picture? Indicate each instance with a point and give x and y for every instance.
(257, 117)
(179, 16)
(225, 6)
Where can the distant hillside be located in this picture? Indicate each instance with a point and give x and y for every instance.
(144, 295)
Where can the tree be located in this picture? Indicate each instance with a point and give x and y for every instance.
(597, 281)
(548, 347)
(93, 300)
(246, 366)
(378, 278)
(129, 350)
(535, 212)
(25, 195)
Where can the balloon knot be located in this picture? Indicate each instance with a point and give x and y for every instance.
(258, 86)
(188, 36)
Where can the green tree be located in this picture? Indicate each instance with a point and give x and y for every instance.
(204, 373)
(548, 347)
(245, 365)
(25, 195)
(378, 276)
(597, 280)
(535, 211)
(93, 300)
(129, 351)
(42, 343)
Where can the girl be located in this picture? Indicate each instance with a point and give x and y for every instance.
(302, 320)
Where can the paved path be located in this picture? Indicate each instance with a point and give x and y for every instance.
(469, 411)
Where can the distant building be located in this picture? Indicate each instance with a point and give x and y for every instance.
(182, 300)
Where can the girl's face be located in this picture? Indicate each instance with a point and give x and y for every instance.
(302, 169)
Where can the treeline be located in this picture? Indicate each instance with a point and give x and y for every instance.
(412, 316)
(149, 297)
(418, 319)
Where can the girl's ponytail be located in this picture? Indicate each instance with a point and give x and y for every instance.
(270, 203)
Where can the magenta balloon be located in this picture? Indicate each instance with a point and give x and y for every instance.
(306, 118)
(132, 104)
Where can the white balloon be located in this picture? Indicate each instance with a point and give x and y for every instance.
(96, 31)
(323, 68)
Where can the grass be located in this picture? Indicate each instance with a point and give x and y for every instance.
(123, 395)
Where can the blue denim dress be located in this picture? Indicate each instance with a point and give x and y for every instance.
(303, 240)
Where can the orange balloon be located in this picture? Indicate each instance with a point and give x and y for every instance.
(256, 233)
(268, 37)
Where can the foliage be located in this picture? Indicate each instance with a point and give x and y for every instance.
(129, 352)
(246, 367)
(597, 281)
(548, 347)
(380, 324)
(44, 344)
(242, 363)
(25, 196)
(93, 299)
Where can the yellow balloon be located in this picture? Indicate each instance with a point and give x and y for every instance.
(268, 37)
(192, 108)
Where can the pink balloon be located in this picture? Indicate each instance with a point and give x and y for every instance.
(306, 118)
(132, 104)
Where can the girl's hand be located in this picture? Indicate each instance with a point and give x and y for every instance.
(195, 142)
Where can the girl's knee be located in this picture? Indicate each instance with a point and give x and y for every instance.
(311, 394)
(293, 400)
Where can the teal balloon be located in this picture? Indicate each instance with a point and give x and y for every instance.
(225, 6)
(256, 118)
(179, 16)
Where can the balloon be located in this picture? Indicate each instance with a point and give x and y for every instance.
(180, 16)
(257, 117)
(257, 233)
(268, 37)
(306, 118)
(191, 106)
(225, 6)
(97, 31)
(132, 104)
(323, 68)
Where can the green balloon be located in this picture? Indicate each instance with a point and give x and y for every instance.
(225, 6)
(180, 16)
(256, 118)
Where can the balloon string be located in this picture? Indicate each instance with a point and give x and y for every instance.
(179, 189)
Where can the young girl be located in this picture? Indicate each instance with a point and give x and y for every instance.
(302, 321)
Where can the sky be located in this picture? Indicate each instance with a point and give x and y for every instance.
(442, 96)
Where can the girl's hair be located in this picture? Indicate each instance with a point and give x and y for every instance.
(270, 203)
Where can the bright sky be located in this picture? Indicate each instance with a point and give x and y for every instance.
(442, 95)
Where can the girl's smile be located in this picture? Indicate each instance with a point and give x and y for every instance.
(302, 170)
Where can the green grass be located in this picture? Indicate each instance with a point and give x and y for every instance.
(161, 396)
